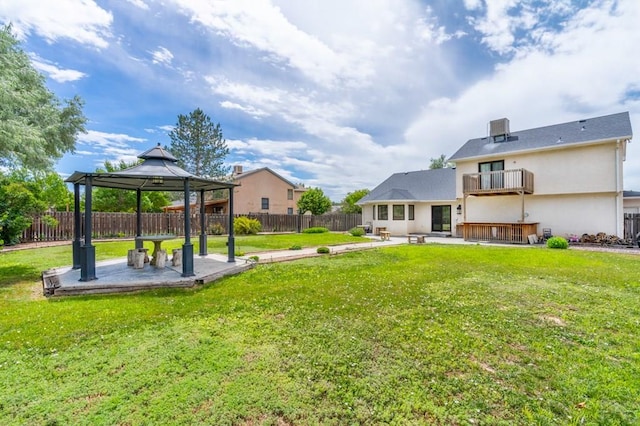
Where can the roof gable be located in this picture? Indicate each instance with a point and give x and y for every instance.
(422, 185)
(263, 169)
(605, 128)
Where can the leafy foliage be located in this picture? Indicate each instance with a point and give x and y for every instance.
(246, 226)
(17, 204)
(199, 145)
(315, 230)
(313, 200)
(438, 163)
(36, 128)
(323, 250)
(349, 205)
(357, 232)
(121, 200)
(295, 247)
(557, 243)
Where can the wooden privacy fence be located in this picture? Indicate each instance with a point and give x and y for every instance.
(123, 225)
(631, 225)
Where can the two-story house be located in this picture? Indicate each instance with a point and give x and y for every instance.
(564, 178)
(264, 191)
(257, 191)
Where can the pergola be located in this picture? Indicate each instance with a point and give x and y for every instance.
(158, 172)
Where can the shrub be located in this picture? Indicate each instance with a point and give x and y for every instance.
(295, 247)
(246, 226)
(254, 258)
(323, 250)
(315, 230)
(557, 243)
(218, 229)
(356, 232)
(239, 254)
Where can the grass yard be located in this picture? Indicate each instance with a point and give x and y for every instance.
(414, 334)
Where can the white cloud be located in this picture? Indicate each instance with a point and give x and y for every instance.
(58, 74)
(583, 71)
(139, 3)
(162, 55)
(80, 20)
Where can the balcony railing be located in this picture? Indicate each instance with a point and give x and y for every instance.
(499, 182)
(515, 233)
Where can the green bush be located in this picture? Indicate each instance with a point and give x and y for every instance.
(557, 243)
(356, 232)
(239, 254)
(217, 229)
(323, 250)
(315, 230)
(246, 226)
(295, 247)
(254, 258)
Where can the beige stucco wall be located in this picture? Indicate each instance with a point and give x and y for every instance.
(631, 205)
(263, 184)
(420, 225)
(576, 190)
(565, 214)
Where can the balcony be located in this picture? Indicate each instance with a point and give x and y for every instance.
(501, 182)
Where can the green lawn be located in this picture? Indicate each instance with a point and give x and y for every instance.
(419, 334)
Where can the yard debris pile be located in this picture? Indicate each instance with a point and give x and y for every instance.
(603, 239)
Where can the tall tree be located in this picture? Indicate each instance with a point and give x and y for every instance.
(438, 163)
(313, 200)
(36, 128)
(121, 200)
(199, 146)
(18, 204)
(349, 205)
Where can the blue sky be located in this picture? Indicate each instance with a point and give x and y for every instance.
(333, 94)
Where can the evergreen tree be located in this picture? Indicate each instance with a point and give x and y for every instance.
(199, 145)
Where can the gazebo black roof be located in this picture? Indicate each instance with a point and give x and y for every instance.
(158, 172)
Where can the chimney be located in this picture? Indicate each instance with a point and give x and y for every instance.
(237, 170)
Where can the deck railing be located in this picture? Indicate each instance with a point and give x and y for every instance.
(498, 182)
(515, 233)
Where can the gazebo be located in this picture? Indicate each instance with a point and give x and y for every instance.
(158, 172)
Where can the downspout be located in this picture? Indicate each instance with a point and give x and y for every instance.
(618, 190)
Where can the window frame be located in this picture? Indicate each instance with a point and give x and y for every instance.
(411, 214)
(398, 211)
(383, 212)
(264, 202)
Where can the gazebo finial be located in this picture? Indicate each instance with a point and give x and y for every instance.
(158, 153)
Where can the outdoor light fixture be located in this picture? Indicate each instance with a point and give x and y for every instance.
(459, 209)
(157, 180)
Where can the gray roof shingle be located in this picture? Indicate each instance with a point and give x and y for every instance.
(422, 185)
(608, 127)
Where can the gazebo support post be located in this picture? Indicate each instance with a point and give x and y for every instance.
(87, 251)
(139, 242)
(77, 226)
(203, 224)
(231, 242)
(187, 247)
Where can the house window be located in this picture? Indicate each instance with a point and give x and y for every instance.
(374, 212)
(265, 204)
(383, 212)
(290, 210)
(491, 174)
(289, 194)
(411, 212)
(398, 212)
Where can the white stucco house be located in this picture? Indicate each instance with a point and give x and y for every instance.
(418, 202)
(564, 178)
(631, 202)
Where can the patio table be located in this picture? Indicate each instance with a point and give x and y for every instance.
(157, 243)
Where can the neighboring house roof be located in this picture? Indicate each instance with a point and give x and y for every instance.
(608, 127)
(251, 172)
(631, 194)
(422, 185)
